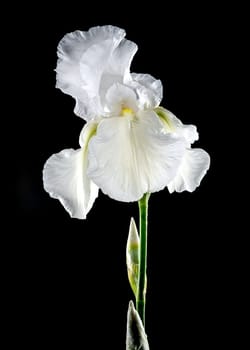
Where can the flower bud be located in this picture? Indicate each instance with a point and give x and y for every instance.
(136, 338)
(132, 255)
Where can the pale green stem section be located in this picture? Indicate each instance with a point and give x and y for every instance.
(141, 290)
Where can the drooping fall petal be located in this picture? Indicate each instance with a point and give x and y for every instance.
(65, 178)
(193, 168)
(130, 156)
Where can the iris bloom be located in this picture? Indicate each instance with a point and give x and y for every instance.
(129, 145)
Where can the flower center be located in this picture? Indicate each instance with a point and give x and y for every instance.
(126, 112)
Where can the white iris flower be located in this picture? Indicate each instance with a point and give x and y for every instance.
(129, 145)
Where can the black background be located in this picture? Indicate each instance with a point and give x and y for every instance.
(68, 285)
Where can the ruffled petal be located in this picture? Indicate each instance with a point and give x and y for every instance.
(193, 168)
(148, 89)
(130, 156)
(78, 81)
(93, 63)
(173, 124)
(103, 65)
(121, 58)
(65, 178)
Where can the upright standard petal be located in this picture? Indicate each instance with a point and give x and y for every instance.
(117, 68)
(72, 78)
(121, 58)
(65, 178)
(130, 156)
(148, 89)
(103, 65)
(193, 168)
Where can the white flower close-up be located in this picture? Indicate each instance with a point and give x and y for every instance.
(129, 145)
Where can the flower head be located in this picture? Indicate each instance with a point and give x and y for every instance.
(129, 145)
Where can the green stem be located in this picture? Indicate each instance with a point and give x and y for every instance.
(141, 290)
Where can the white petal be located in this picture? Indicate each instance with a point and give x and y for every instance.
(71, 50)
(120, 96)
(148, 89)
(173, 124)
(93, 63)
(65, 178)
(193, 168)
(131, 156)
(103, 65)
(117, 68)
(86, 107)
(121, 58)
